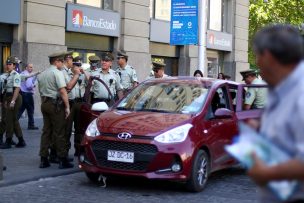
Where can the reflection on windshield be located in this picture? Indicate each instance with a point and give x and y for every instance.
(166, 98)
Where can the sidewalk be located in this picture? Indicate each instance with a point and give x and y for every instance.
(23, 163)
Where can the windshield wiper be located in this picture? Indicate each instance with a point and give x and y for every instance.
(155, 110)
(123, 108)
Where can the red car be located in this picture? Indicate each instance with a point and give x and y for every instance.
(174, 129)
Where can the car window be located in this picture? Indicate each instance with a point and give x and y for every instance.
(219, 100)
(165, 97)
(233, 95)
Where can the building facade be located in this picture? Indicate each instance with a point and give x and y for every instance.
(33, 29)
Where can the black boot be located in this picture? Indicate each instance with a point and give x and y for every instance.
(64, 163)
(1, 139)
(53, 157)
(44, 163)
(21, 142)
(7, 144)
(13, 142)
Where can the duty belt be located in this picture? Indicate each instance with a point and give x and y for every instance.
(45, 99)
(8, 94)
(79, 100)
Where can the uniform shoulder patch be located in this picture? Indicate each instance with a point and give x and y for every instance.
(17, 80)
(248, 94)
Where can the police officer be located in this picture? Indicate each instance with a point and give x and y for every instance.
(55, 110)
(94, 61)
(110, 78)
(78, 92)
(159, 70)
(12, 101)
(71, 74)
(255, 97)
(127, 73)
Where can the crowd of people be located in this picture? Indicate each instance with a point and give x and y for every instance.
(279, 50)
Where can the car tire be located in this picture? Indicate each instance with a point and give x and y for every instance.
(199, 172)
(93, 176)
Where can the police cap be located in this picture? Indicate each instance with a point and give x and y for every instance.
(77, 59)
(122, 54)
(58, 56)
(68, 54)
(11, 59)
(247, 73)
(107, 57)
(158, 65)
(94, 59)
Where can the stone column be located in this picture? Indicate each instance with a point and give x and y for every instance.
(43, 33)
(134, 38)
(241, 27)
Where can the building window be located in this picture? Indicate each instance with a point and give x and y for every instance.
(160, 9)
(94, 3)
(215, 15)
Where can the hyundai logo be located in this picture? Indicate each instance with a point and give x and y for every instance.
(124, 136)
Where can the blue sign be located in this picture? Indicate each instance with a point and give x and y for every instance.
(184, 22)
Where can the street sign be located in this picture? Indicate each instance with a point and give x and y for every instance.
(184, 22)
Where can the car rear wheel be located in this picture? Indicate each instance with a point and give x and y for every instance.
(200, 171)
(93, 176)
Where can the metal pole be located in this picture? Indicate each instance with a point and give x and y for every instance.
(202, 21)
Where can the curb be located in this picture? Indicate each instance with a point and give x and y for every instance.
(4, 183)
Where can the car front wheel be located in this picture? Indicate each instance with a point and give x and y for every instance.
(200, 171)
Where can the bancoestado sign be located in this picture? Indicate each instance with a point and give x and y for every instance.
(219, 41)
(92, 20)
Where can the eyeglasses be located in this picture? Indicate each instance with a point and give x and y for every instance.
(8, 64)
(155, 70)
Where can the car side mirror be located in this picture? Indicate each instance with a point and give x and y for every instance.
(223, 113)
(100, 106)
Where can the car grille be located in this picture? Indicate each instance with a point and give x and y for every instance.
(143, 154)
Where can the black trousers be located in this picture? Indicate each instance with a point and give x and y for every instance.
(28, 104)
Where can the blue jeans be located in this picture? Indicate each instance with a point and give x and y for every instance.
(28, 104)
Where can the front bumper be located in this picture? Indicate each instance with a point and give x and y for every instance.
(152, 160)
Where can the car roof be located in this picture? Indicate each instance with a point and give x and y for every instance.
(191, 80)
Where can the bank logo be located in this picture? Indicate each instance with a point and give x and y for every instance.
(211, 39)
(77, 18)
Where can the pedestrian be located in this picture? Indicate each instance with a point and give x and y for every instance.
(55, 110)
(198, 73)
(255, 98)
(11, 103)
(221, 76)
(27, 91)
(159, 70)
(126, 72)
(279, 56)
(100, 92)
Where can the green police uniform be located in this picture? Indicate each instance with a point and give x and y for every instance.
(256, 97)
(127, 74)
(127, 77)
(100, 92)
(78, 91)
(54, 122)
(11, 124)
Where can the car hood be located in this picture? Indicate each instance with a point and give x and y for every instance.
(138, 123)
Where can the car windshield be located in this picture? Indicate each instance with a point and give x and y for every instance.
(165, 97)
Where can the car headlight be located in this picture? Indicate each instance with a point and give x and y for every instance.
(92, 130)
(178, 134)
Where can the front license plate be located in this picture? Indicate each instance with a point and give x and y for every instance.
(121, 156)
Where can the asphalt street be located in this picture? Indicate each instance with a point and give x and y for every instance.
(229, 186)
